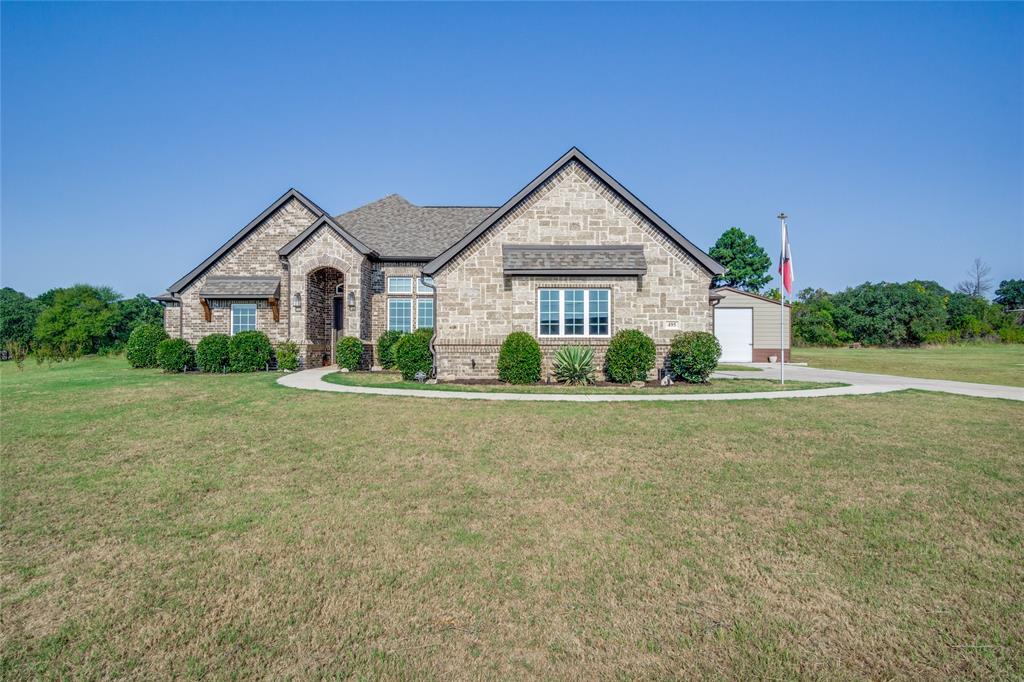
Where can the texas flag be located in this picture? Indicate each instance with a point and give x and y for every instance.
(786, 261)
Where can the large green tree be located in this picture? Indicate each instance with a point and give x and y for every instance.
(81, 320)
(135, 311)
(1010, 294)
(18, 315)
(748, 264)
(888, 314)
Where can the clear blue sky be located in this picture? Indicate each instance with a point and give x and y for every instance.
(136, 138)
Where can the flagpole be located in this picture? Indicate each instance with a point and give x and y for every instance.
(782, 305)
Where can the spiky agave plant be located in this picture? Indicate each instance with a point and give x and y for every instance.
(574, 365)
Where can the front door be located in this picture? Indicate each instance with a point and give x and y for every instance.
(338, 311)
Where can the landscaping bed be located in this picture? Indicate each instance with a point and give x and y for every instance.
(394, 380)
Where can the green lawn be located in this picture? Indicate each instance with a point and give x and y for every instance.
(394, 380)
(978, 363)
(217, 527)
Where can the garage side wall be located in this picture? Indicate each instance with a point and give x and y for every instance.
(766, 323)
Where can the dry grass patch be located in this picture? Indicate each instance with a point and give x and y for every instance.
(218, 526)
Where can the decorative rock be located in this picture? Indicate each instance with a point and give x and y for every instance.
(344, 369)
(431, 381)
(666, 380)
(637, 384)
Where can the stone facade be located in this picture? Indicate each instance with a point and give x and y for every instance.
(478, 306)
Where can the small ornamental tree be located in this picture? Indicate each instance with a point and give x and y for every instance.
(175, 355)
(213, 353)
(386, 346)
(519, 359)
(631, 356)
(249, 351)
(412, 354)
(693, 356)
(142, 345)
(348, 351)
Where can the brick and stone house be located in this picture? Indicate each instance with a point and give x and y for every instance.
(571, 258)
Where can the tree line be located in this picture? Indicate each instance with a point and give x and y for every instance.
(883, 314)
(69, 322)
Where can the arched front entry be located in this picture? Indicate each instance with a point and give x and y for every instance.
(325, 313)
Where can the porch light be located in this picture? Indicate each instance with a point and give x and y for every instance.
(351, 299)
(297, 301)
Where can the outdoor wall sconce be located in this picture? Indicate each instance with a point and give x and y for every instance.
(351, 299)
(297, 301)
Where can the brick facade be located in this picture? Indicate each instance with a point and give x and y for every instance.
(477, 305)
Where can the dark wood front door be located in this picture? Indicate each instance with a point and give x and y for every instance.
(339, 310)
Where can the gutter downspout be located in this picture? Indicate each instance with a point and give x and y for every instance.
(433, 337)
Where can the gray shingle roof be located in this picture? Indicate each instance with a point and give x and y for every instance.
(571, 260)
(394, 228)
(241, 287)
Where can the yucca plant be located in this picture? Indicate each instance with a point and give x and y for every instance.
(574, 365)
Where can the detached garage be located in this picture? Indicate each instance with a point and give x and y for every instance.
(747, 325)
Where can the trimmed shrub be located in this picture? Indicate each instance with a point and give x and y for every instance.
(631, 356)
(519, 359)
(142, 344)
(213, 353)
(693, 356)
(574, 365)
(1012, 334)
(412, 354)
(348, 351)
(386, 347)
(175, 355)
(288, 355)
(249, 351)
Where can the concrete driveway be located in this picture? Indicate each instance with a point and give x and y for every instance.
(887, 381)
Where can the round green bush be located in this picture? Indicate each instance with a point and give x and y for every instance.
(142, 343)
(249, 351)
(519, 359)
(693, 356)
(348, 352)
(213, 353)
(412, 354)
(175, 355)
(287, 355)
(386, 347)
(631, 356)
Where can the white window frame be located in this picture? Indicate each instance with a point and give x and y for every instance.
(407, 301)
(255, 317)
(419, 302)
(586, 313)
(393, 280)
(423, 290)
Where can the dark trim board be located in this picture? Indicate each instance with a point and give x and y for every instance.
(575, 154)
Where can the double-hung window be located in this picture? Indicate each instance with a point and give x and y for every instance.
(424, 313)
(574, 312)
(400, 314)
(243, 317)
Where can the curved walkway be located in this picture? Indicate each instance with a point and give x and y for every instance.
(859, 384)
(312, 380)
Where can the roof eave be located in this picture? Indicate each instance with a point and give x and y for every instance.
(575, 272)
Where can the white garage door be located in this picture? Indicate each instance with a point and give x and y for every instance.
(734, 328)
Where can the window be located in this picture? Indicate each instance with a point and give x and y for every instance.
(423, 289)
(424, 313)
(243, 317)
(400, 314)
(399, 285)
(574, 312)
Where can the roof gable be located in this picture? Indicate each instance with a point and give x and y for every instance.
(242, 234)
(575, 154)
(328, 222)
